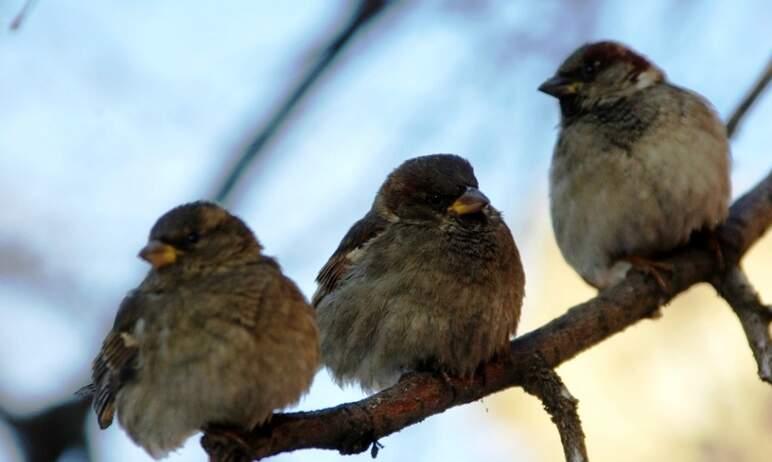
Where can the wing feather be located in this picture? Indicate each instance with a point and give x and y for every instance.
(116, 362)
(362, 232)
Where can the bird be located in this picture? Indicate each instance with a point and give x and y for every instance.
(214, 334)
(639, 167)
(429, 280)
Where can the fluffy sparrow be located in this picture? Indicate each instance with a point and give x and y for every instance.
(640, 164)
(213, 334)
(429, 279)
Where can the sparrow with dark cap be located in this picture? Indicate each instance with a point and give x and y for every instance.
(429, 279)
(639, 166)
(214, 334)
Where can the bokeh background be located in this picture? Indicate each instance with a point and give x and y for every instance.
(113, 112)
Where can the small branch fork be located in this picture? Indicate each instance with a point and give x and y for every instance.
(749, 100)
(545, 384)
(754, 317)
(354, 427)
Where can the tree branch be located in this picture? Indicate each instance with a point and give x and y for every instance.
(22, 15)
(545, 384)
(753, 95)
(353, 427)
(45, 436)
(754, 318)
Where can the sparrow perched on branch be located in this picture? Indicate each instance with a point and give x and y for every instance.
(640, 164)
(214, 334)
(429, 279)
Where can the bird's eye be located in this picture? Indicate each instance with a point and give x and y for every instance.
(589, 69)
(435, 199)
(192, 237)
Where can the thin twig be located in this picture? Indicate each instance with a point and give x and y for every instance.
(754, 318)
(353, 427)
(19, 19)
(750, 99)
(545, 384)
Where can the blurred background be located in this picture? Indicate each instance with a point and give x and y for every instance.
(113, 112)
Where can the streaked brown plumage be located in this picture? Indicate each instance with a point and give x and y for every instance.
(214, 334)
(430, 278)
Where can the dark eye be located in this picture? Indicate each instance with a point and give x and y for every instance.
(192, 237)
(589, 69)
(435, 199)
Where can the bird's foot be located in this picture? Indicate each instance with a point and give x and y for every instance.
(226, 444)
(375, 448)
(653, 268)
(445, 378)
(713, 244)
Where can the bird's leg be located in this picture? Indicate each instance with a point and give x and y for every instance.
(709, 238)
(653, 268)
(375, 448)
(228, 438)
(445, 378)
(715, 246)
(432, 366)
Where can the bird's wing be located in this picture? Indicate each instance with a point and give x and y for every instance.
(361, 233)
(116, 361)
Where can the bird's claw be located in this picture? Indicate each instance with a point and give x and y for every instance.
(226, 444)
(654, 269)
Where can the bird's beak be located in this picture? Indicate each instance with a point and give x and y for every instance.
(471, 201)
(558, 86)
(158, 254)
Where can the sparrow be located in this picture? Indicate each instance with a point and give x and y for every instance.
(214, 334)
(429, 279)
(640, 164)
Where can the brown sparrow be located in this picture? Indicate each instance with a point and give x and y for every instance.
(429, 279)
(640, 164)
(213, 334)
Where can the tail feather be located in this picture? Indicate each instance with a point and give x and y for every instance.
(86, 392)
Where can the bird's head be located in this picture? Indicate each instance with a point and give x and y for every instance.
(433, 188)
(197, 234)
(599, 73)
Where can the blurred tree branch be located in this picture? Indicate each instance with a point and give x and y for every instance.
(45, 436)
(747, 102)
(363, 14)
(22, 15)
(353, 427)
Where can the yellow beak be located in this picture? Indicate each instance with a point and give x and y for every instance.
(471, 201)
(560, 86)
(158, 254)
